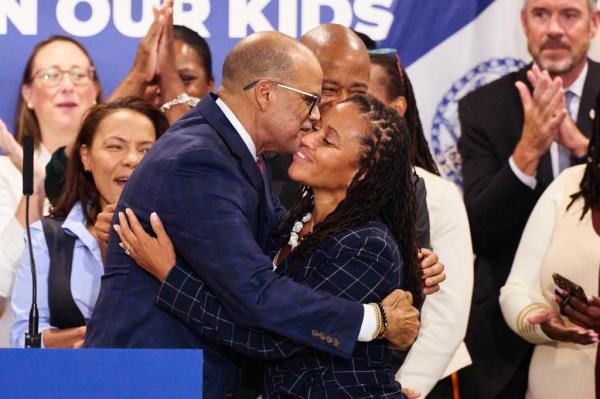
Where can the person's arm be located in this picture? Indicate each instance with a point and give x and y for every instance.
(521, 296)
(497, 201)
(445, 315)
(143, 72)
(187, 297)
(171, 84)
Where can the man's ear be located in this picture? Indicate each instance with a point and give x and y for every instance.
(264, 94)
(594, 23)
(400, 105)
(524, 21)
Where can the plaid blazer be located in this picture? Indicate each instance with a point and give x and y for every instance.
(362, 265)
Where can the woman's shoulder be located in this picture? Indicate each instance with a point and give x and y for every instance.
(373, 237)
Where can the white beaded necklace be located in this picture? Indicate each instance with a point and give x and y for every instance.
(295, 239)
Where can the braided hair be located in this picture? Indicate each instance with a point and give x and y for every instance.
(382, 187)
(589, 187)
(398, 85)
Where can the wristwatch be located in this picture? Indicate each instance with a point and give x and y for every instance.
(183, 98)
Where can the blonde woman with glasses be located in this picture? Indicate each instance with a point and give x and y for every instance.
(59, 85)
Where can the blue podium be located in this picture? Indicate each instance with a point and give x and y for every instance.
(100, 373)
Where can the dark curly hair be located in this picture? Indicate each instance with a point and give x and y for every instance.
(589, 187)
(382, 187)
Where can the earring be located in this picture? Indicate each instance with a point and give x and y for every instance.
(30, 105)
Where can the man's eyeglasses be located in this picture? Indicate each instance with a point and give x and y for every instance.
(53, 75)
(310, 98)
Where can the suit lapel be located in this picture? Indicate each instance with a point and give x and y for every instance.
(591, 88)
(217, 119)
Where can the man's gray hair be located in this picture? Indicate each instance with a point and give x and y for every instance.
(592, 5)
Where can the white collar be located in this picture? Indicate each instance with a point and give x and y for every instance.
(237, 125)
(577, 86)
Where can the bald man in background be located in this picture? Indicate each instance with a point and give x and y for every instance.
(344, 60)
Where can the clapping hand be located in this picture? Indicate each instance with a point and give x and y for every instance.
(544, 112)
(569, 135)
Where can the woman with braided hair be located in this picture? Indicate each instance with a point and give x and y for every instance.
(349, 234)
(430, 367)
(562, 236)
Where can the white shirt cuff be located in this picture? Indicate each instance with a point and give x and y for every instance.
(369, 325)
(529, 181)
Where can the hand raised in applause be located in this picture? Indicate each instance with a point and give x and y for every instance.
(544, 112)
(403, 319)
(144, 71)
(569, 135)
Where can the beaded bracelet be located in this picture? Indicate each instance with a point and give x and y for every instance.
(384, 321)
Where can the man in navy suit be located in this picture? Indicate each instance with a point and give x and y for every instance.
(203, 178)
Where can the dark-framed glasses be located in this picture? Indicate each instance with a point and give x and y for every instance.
(52, 76)
(310, 98)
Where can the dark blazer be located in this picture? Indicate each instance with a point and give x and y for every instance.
(498, 205)
(362, 264)
(217, 208)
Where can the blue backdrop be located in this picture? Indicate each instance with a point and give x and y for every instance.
(110, 29)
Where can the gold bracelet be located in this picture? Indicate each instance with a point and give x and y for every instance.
(378, 321)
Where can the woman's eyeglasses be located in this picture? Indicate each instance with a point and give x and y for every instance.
(53, 75)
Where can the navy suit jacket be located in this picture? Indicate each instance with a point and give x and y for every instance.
(361, 264)
(217, 209)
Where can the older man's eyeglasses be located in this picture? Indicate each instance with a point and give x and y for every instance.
(53, 75)
(311, 99)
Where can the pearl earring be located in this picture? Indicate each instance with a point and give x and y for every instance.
(30, 105)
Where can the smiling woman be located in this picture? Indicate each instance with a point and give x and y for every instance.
(112, 141)
(58, 86)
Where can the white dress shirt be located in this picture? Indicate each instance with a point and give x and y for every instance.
(573, 109)
(369, 323)
(439, 350)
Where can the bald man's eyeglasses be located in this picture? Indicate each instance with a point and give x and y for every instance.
(311, 99)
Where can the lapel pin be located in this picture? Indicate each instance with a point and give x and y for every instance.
(592, 114)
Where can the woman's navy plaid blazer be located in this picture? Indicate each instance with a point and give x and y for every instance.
(362, 264)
